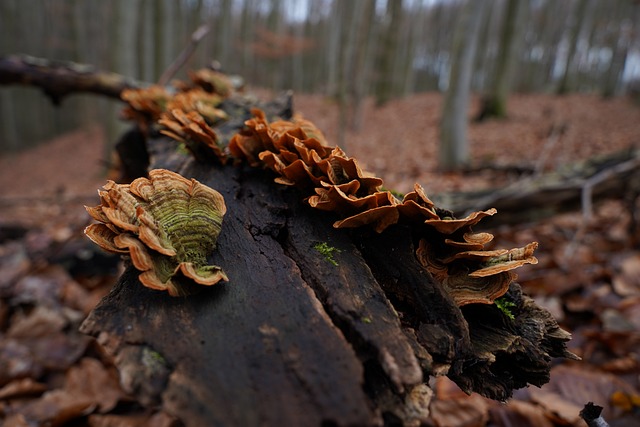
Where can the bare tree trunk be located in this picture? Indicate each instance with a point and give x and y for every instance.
(353, 16)
(619, 43)
(574, 37)
(223, 36)
(484, 62)
(495, 103)
(145, 35)
(123, 59)
(360, 75)
(388, 55)
(454, 151)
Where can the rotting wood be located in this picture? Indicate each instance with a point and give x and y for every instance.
(352, 344)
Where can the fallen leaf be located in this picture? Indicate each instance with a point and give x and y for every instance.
(92, 380)
(517, 413)
(39, 322)
(43, 287)
(17, 361)
(452, 407)
(22, 387)
(13, 264)
(571, 387)
(56, 407)
(626, 279)
(60, 350)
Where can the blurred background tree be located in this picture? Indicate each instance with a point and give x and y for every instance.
(345, 50)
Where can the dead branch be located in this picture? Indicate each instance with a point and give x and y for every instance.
(587, 189)
(568, 189)
(184, 55)
(58, 79)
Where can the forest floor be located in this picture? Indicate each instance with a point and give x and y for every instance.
(588, 275)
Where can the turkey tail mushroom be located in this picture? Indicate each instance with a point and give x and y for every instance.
(167, 224)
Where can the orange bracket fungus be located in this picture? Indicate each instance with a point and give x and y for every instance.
(167, 224)
(448, 249)
(299, 155)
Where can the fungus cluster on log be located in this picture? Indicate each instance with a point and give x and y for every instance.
(299, 154)
(411, 287)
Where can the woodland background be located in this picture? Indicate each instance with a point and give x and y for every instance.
(345, 50)
(374, 76)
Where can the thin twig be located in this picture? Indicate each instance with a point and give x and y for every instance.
(587, 200)
(587, 188)
(184, 55)
(557, 130)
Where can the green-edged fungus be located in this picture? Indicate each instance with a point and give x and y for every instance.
(167, 224)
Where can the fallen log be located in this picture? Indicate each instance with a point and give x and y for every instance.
(572, 188)
(302, 335)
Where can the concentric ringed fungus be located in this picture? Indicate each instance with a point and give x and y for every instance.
(168, 225)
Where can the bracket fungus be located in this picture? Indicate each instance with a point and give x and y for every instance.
(448, 249)
(145, 105)
(167, 224)
(299, 155)
(192, 129)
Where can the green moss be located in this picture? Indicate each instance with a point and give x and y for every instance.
(152, 359)
(327, 251)
(182, 149)
(398, 195)
(505, 306)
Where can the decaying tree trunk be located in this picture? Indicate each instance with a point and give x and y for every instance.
(304, 337)
(317, 325)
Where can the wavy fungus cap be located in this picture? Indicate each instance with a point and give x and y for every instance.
(144, 105)
(167, 224)
(192, 129)
(212, 81)
(475, 276)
